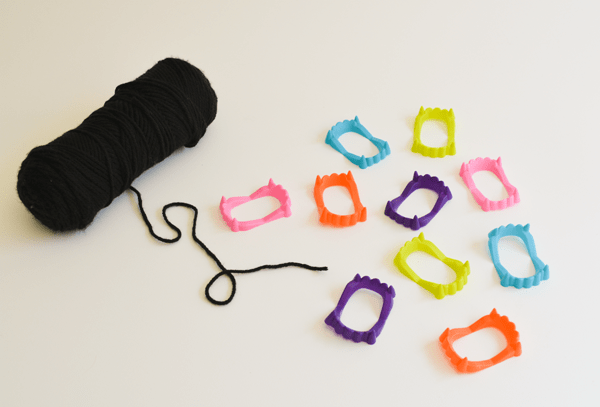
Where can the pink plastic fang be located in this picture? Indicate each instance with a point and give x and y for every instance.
(276, 191)
(495, 166)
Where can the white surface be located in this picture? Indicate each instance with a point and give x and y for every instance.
(109, 316)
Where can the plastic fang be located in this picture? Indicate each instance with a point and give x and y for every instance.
(501, 323)
(344, 180)
(487, 164)
(276, 191)
(419, 181)
(542, 271)
(462, 270)
(447, 116)
(386, 292)
(355, 126)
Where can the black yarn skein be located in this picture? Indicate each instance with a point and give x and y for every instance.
(65, 183)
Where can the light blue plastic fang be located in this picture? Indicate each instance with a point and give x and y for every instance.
(347, 126)
(506, 279)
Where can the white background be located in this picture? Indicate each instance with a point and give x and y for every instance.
(110, 317)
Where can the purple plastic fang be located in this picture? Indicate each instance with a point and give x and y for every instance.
(419, 181)
(386, 292)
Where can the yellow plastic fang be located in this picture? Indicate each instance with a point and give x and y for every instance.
(462, 270)
(447, 116)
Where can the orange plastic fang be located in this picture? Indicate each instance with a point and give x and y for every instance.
(494, 320)
(343, 180)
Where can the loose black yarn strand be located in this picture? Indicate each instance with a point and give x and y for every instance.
(224, 271)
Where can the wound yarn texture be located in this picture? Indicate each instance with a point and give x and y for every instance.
(66, 182)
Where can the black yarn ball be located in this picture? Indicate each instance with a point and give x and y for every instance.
(65, 183)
